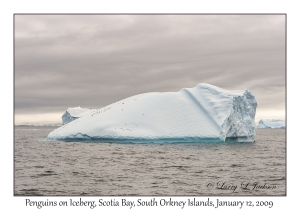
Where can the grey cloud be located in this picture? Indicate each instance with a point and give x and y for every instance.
(93, 60)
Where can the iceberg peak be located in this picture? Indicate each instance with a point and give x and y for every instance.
(73, 114)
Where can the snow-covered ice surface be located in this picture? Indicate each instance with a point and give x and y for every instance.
(271, 124)
(73, 114)
(205, 112)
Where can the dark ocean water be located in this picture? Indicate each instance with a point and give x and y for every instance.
(97, 169)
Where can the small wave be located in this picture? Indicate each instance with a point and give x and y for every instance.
(279, 179)
(237, 165)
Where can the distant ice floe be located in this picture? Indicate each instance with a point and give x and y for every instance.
(205, 112)
(265, 123)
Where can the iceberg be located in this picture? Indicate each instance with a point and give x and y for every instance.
(73, 114)
(265, 123)
(205, 112)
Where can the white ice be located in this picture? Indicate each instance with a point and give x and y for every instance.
(73, 114)
(265, 123)
(205, 112)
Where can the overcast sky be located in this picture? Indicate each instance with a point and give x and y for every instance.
(91, 61)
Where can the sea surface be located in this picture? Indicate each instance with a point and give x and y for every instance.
(58, 168)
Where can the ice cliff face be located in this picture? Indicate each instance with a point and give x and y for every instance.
(73, 113)
(271, 124)
(204, 112)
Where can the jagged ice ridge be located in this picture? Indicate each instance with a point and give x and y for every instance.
(73, 114)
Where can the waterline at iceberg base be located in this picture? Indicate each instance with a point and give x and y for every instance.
(202, 113)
